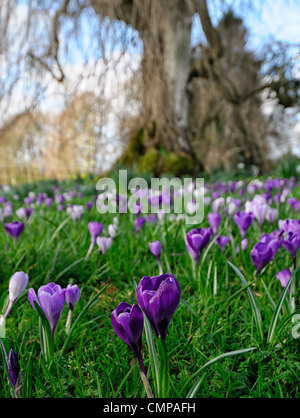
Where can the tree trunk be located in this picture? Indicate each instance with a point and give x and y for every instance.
(165, 29)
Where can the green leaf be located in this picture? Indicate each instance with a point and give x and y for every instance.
(277, 310)
(192, 392)
(252, 299)
(90, 304)
(48, 340)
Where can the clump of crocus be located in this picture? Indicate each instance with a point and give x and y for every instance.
(155, 248)
(159, 297)
(17, 285)
(214, 220)
(197, 240)
(51, 299)
(14, 373)
(222, 242)
(95, 229)
(72, 297)
(104, 244)
(14, 229)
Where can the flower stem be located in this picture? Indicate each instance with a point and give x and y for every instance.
(69, 321)
(9, 308)
(164, 369)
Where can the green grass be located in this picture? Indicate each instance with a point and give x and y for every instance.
(215, 315)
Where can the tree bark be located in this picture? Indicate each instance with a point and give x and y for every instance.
(165, 29)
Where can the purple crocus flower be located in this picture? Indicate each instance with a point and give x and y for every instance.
(48, 201)
(139, 222)
(284, 277)
(265, 250)
(214, 220)
(89, 206)
(13, 368)
(14, 229)
(222, 242)
(244, 244)
(72, 295)
(95, 229)
(51, 299)
(104, 244)
(292, 245)
(155, 248)
(17, 285)
(197, 240)
(261, 255)
(243, 220)
(159, 297)
(128, 322)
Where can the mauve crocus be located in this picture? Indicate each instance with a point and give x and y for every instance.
(214, 220)
(104, 244)
(128, 322)
(51, 299)
(284, 277)
(48, 201)
(89, 206)
(155, 248)
(222, 242)
(197, 240)
(261, 255)
(60, 208)
(14, 229)
(243, 220)
(14, 372)
(95, 229)
(72, 297)
(24, 213)
(265, 250)
(244, 244)
(159, 297)
(292, 245)
(139, 222)
(17, 285)
(112, 230)
(272, 215)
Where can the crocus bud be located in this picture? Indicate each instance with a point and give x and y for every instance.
(214, 220)
(222, 242)
(17, 285)
(284, 277)
(14, 229)
(159, 297)
(197, 240)
(112, 231)
(104, 244)
(95, 229)
(155, 248)
(51, 299)
(14, 372)
(72, 295)
(89, 206)
(127, 322)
